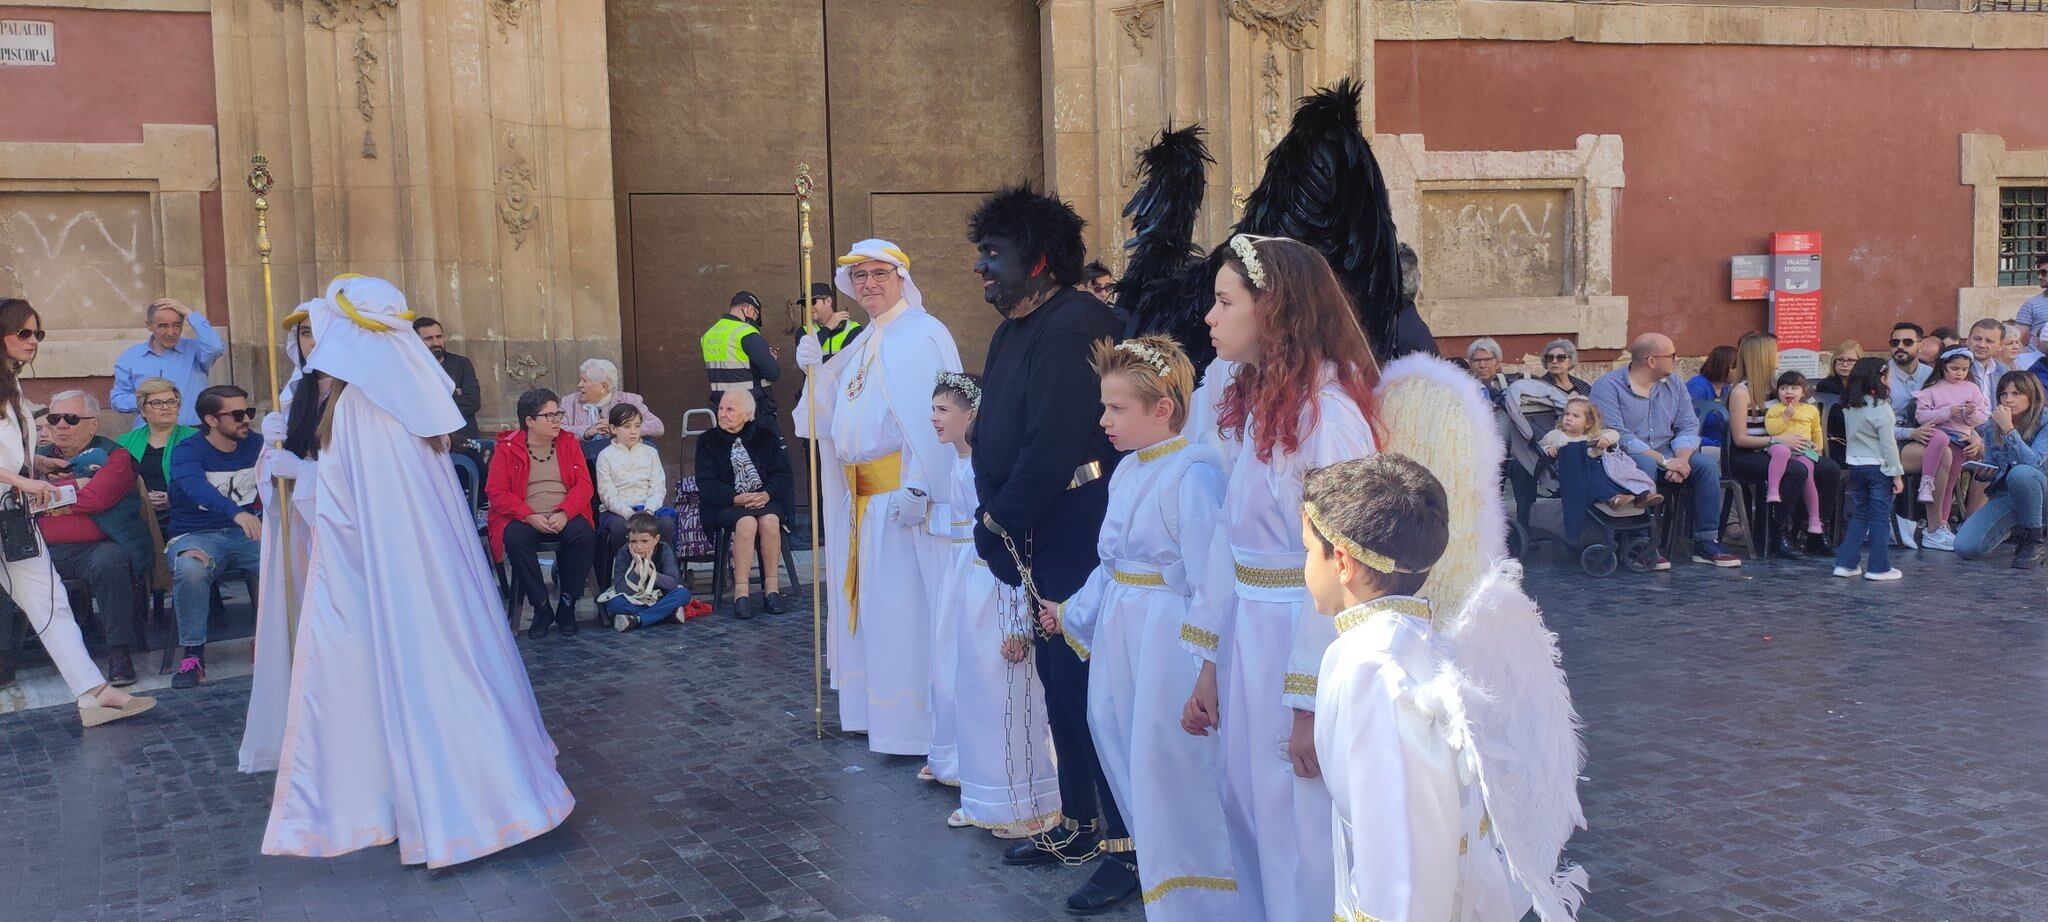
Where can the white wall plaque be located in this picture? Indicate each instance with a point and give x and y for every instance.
(27, 42)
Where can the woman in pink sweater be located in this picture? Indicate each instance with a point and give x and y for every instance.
(1955, 406)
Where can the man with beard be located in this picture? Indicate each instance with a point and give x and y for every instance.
(1035, 434)
(469, 395)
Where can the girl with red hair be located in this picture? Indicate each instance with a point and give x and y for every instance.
(1299, 396)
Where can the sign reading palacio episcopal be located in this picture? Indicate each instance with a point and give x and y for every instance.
(27, 42)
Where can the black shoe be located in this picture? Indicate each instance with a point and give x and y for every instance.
(2027, 554)
(743, 607)
(1061, 844)
(542, 620)
(1781, 546)
(772, 603)
(565, 616)
(1817, 545)
(120, 668)
(1112, 885)
(191, 670)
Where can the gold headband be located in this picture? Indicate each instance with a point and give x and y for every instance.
(1373, 559)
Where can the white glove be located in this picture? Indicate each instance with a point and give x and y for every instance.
(280, 463)
(909, 507)
(808, 353)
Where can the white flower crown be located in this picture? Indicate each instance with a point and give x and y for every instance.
(1254, 271)
(962, 384)
(1145, 352)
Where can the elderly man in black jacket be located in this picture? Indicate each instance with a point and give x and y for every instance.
(1037, 428)
(744, 483)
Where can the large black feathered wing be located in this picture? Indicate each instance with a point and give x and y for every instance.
(1157, 281)
(1323, 187)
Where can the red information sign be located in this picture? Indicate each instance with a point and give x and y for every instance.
(1795, 289)
(1788, 243)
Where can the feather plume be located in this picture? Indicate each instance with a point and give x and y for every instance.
(1435, 414)
(1323, 187)
(1160, 287)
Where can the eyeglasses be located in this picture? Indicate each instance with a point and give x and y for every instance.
(867, 275)
(555, 417)
(1904, 342)
(69, 419)
(1556, 357)
(161, 403)
(28, 335)
(1667, 355)
(237, 415)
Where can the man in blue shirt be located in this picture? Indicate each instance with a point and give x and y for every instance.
(2034, 312)
(1653, 413)
(167, 353)
(213, 526)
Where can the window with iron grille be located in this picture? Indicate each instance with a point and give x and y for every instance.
(2022, 232)
(2012, 6)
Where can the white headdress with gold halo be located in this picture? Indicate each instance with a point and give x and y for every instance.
(1505, 699)
(362, 334)
(876, 248)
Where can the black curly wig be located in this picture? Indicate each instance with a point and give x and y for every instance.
(1041, 224)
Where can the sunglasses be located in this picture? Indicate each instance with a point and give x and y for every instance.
(237, 415)
(1904, 342)
(1556, 357)
(69, 419)
(28, 335)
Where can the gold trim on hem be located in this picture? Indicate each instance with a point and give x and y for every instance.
(1207, 640)
(1051, 821)
(1354, 916)
(1188, 882)
(1163, 449)
(1298, 683)
(1075, 645)
(1138, 579)
(1270, 578)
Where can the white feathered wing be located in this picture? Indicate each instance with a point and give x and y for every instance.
(1511, 688)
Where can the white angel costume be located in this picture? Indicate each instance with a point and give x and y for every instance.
(1269, 642)
(888, 469)
(282, 582)
(949, 524)
(1007, 774)
(1447, 736)
(409, 715)
(1165, 503)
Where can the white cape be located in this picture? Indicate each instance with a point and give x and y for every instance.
(409, 717)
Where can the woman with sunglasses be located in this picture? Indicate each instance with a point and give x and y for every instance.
(1560, 359)
(33, 582)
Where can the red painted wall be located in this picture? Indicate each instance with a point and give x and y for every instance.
(1723, 144)
(117, 70)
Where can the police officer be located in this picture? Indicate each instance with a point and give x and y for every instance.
(737, 357)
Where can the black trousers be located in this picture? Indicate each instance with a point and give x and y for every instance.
(104, 566)
(1084, 792)
(1753, 467)
(575, 548)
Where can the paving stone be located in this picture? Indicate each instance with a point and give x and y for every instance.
(1767, 742)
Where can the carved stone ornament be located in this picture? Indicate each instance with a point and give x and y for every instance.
(507, 13)
(366, 64)
(515, 194)
(1285, 21)
(526, 371)
(331, 14)
(1140, 22)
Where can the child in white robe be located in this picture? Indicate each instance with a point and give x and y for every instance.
(1165, 502)
(1411, 835)
(990, 707)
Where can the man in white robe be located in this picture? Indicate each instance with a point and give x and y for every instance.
(884, 472)
(409, 716)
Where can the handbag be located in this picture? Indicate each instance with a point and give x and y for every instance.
(18, 540)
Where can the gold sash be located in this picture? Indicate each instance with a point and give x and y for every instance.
(866, 479)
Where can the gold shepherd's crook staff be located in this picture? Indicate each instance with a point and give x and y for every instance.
(259, 183)
(803, 249)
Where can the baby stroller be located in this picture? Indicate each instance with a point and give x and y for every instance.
(1533, 407)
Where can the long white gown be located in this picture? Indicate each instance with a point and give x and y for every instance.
(1270, 645)
(949, 523)
(874, 398)
(1165, 503)
(410, 717)
(1410, 838)
(271, 675)
(1007, 772)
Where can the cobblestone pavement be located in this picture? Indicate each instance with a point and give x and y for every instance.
(1764, 742)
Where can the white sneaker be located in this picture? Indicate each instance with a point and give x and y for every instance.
(1906, 529)
(1849, 571)
(1938, 539)
(1884, 576)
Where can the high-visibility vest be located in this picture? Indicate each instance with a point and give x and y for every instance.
(725, 359)
(837, 341)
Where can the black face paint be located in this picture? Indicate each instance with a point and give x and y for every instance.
(1006, 274)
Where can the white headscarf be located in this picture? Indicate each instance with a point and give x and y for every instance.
(362, 334)
(878, 249)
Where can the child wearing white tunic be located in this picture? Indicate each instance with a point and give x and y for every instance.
(1299, 397)
(991, 707)
(1165, 501)
(1411, 838)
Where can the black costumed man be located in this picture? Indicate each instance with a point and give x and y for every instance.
(1037, 427)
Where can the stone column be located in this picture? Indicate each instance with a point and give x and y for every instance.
(460, 148)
